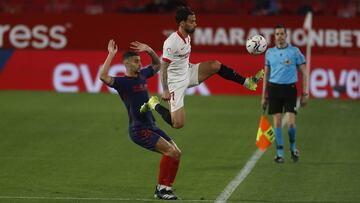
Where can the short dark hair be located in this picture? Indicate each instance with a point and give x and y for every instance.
(129, 54)
(182, 13)
(279, 26)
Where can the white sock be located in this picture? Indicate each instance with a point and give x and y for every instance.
(160, 187)
(168, 188)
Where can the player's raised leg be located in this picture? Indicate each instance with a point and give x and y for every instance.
(154, 104)
(175, 119)
(178, 118)
(209, 68)
(176, 100)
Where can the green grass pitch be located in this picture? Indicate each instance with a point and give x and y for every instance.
(75, 148)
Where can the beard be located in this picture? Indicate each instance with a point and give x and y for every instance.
(190, 31)
(280, 41)
(136, 70)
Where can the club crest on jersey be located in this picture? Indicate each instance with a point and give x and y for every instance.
(287, 61)
(140, 87)
(186, 55)
(168, 50)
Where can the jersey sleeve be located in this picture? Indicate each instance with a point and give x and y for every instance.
(169, 50)
(117, 83)
(267, 62)
(300, 59)
(148, 71)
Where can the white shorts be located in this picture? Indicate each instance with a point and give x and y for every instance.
(178, 89)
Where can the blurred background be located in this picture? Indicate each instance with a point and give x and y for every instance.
(340, 8)
(59, 143)
(58, 27)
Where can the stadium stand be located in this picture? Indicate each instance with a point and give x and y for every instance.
(341, 8)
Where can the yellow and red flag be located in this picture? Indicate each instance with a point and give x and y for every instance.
(265, 136)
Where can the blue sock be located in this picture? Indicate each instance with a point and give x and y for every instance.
(279, 142)
(292, 133)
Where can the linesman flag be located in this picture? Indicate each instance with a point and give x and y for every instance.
(265, 136)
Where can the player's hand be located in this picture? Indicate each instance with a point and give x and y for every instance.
(166, 95)
(264, 103)
(139, 47)
(304, 100)
(112, 47)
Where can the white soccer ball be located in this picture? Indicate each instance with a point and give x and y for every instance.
(256, 44)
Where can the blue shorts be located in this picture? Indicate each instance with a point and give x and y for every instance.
(148, 137)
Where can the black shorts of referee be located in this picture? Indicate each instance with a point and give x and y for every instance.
(282, 98)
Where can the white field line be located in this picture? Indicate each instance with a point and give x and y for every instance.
(95, 199)
(231, 187)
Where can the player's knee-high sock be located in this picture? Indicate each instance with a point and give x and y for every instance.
(173, 171)
(230, 74)
(163, 178)
(292, 133)
(279, 142)
(165, 113)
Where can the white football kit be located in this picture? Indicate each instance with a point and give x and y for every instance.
(181, 73)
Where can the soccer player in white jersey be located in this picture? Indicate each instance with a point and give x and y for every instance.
(177, 73)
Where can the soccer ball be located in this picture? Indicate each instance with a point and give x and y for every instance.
(256, 44)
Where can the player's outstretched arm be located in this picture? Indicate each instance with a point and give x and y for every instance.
(140, 47)
(112, 49)
(164, 80)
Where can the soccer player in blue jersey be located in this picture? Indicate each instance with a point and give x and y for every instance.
(132, 89)
(282, 64)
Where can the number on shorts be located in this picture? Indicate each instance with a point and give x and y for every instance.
(172, 95)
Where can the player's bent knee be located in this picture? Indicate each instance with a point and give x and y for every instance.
(173, 152)
(178, 125)
(177, 154)
(169, 152)
(215, 65)
(178, 118)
